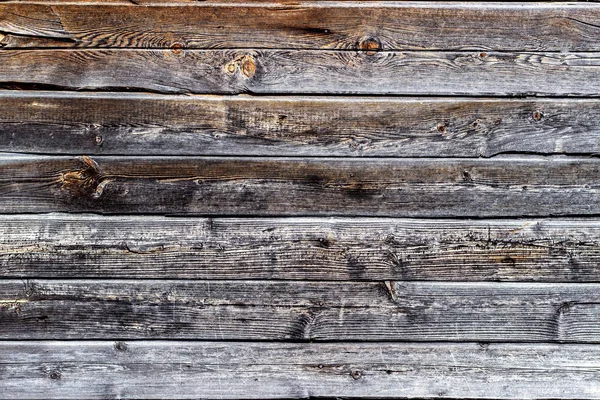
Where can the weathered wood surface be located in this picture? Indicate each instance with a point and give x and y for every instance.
(306, 25)
(300, 310)
(310, 71)
(213, 370)
(502, 186)
(476, 120)
(150, 124)
(84, 246)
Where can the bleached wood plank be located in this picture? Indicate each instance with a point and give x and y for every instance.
(213, 370)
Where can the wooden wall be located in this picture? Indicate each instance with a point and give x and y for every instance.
(308, 199)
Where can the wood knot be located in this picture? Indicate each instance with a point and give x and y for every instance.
(356, 374)
(537, 116)
(121, 346)
(246, 65)
(177, 48)
(55, 375)
(370, 45)
(85, 181)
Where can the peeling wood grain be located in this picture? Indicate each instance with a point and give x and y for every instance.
(501, 186)
(213, 370)
(306, 25)
(306, 310)
(147, 124)
(67, 246)
(465, 73)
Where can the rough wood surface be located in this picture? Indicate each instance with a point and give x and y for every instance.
(145, 124)
(69, 246)
(300, 310)
(213, 370)
(500, 187)
(306, 25)
(277, 264)
(310, 71)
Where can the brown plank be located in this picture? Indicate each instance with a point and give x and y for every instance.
(311, 71)
(80, 246)
(300, 310)
(149, 124)
(304, 24)
(499, 187)
(216, 370)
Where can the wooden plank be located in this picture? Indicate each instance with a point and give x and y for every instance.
(502, 186)
(305, 25)
(300, 310)
(213, 370)
(149, 124)
(66, 246)
(466, 73)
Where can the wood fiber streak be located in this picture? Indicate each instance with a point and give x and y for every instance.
(307, 310)
(83, 246)
(141, 124)
(305, 25)
(213, 370)
(305, 71)
(496, 187)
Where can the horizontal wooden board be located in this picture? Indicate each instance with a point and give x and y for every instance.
(305, 71)
(68, 246)
(150, 124)
(300, 310)
(306, 25)
(213, 370)
(502, 186)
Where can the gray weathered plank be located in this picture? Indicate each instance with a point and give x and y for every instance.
(145, 124)
(300, 310)
(311, 71)
(216, 370)
(502, 186)
(306, 25)
(69, 246)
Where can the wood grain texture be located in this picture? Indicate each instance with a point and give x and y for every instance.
(306, 25)
(499, 187)
(300, 310)
(84, 246)
(465, 73)
(213, 370)
(150, 124)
